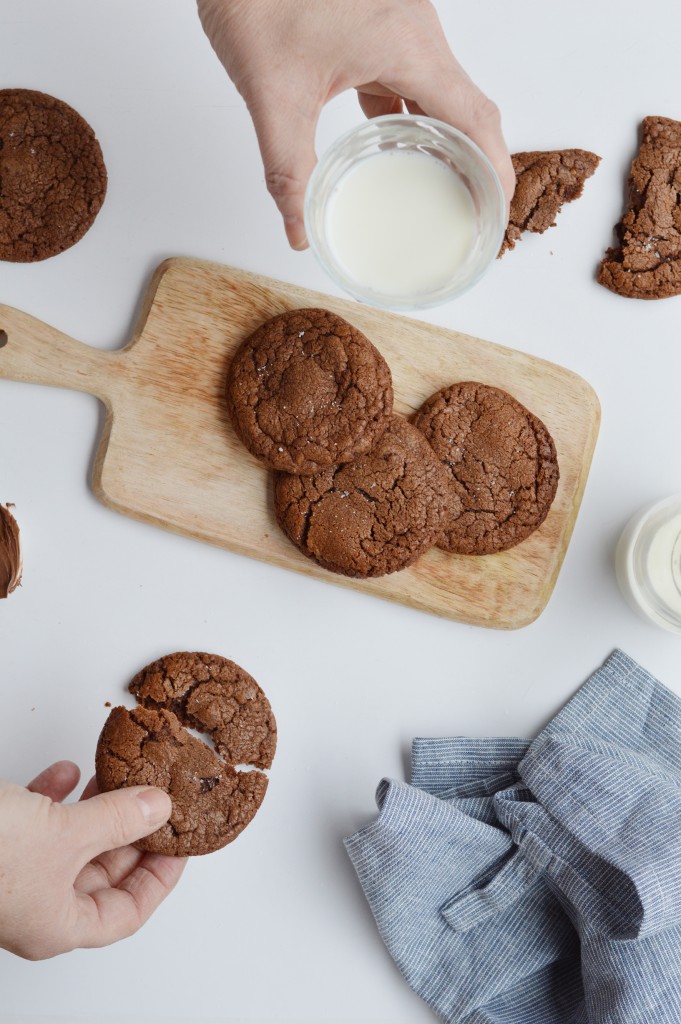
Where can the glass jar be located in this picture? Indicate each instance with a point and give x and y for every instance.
(648, 563)
(403, 211)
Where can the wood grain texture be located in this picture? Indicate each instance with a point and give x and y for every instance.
(169, 456)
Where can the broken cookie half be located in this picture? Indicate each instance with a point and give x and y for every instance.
(544, 182)
(213, 799)
(646, 262)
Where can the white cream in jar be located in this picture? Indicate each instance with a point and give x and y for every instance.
(648, 563)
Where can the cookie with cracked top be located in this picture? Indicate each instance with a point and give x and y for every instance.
(308, 390)
(212, 802)
(372, 516)
(216, 696)
(52, 176)
(501, 465)
(544, 182)
(646, 262)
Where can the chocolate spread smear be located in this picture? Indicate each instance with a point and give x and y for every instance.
(10, 553)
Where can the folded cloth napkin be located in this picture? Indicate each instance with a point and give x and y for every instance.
(516, 882)
(511, 957)
(602, 795)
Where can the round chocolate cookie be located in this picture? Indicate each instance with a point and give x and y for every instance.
(215, 696)
(212, 802)
(307, 390)
(52, 176)
(501, 462)
(373, 516)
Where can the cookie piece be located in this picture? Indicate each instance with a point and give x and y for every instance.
(544, 182)
(307, 390)
(373, 516)
(10, 552)
(52, 176)
(212, 802)
(501, 465)
(215, 696)
(646, 263)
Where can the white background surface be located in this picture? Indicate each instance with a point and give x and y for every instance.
(275, 926)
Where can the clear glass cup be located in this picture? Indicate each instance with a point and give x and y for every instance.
(648, 563)
(421, 135)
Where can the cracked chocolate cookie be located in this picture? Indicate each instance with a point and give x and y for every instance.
(544, 182)
(307, 390)
(501, 465)
(646, 263)
(213, 800)
(215, 696)
(52, 176)
(372, 516)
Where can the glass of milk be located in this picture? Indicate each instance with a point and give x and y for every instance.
(648, 563)
(405, 212)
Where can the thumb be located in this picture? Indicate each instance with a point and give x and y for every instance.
(451, 96)
(285, 130)
(110, 820)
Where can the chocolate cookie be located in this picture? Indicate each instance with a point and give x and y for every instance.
(501, 464)
(307, 391)
(544, 182)
(215, 696)
(10, 552)
(212, 802)
(373, 516)
(52, 176)
(646, 263)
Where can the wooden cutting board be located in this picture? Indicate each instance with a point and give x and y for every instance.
(168, 454)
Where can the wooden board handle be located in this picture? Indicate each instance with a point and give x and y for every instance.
(36, 353)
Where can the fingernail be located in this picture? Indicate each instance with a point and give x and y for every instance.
(156, 805)
(295, 232)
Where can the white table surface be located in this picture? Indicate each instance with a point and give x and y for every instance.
(275, 928)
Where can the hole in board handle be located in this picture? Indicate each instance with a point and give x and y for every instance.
(3, 338)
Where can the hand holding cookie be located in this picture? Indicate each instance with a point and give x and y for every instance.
(68, 876)
(288, 59)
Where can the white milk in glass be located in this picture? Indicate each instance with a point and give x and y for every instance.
(401, 223)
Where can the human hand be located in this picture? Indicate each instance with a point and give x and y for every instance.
(288, 58)
(68, 878)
